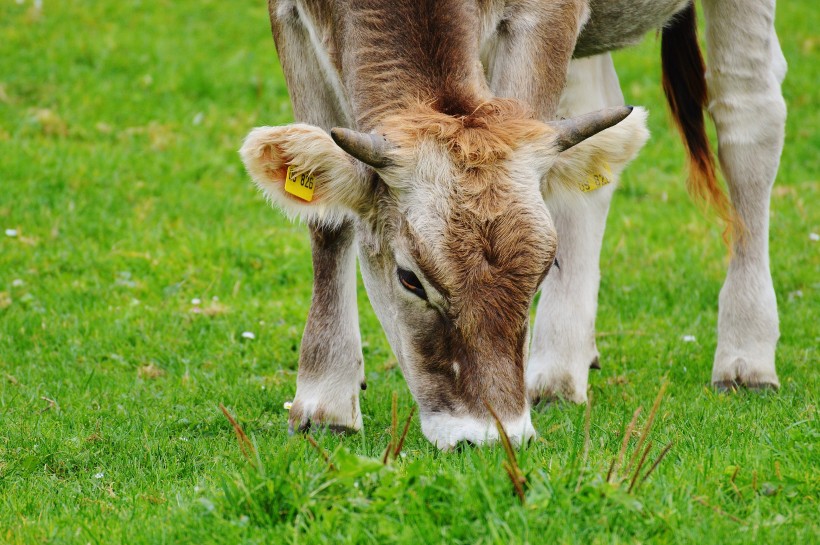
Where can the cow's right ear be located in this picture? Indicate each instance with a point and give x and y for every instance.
(326, 184)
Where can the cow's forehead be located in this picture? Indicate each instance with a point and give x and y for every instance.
(487, 253)
(481, 140)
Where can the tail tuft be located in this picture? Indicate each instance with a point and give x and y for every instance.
(684, 84)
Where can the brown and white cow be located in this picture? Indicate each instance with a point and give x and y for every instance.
(459, 190)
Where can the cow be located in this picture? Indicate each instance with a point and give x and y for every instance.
(467, 152)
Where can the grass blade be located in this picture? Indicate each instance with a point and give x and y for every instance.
(648, 426)
(245, 445)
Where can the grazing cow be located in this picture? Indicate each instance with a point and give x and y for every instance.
(460, 191)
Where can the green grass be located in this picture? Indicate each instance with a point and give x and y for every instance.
(119, 125)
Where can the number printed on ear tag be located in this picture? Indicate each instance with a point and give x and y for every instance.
(597, 180)
(300, 185)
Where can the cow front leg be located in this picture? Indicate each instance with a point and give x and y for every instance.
(563, 341)
(745, 70)
(331, 367)
(528, 54)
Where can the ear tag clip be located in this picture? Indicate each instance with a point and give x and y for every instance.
(598, 180)
(300, 185)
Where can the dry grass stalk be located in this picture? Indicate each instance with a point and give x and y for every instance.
(387, 452)
(394, 424)
(51, 404)
(404, 432)
(732, 483)
(585, 454)
(245, 445)
(617, 461)
(321, 451)
(649, 421)
(640, 465)
(511, 465)
(701, 500)
(660, 457)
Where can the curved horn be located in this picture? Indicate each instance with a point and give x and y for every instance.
(368, 148)
(577, 129)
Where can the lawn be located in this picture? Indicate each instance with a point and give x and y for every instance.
(144, 282)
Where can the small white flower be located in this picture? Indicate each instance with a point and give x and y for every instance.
(198, 118)
(797, 294)
(814, 237)
(11, 232)
(17, 282)
(689, 338)
(287, 405)
(196, 301)
(99, 475)
(248, 335)
(214, 298)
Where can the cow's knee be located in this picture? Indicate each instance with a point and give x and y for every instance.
(747, 106)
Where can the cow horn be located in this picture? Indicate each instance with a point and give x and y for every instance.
(577, 129)
(368, 148)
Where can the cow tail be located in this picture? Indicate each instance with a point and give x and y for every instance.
(684, 84)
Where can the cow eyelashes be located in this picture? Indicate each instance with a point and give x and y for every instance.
(411, 283)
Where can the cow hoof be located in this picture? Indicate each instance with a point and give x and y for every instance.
(307, 416)
(596, 363)
(308, 426)
(740, 373)
(725, 386)
(547, 390)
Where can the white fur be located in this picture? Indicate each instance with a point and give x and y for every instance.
(445, 431)
(563, 344)
(749, 112)
(615, 146)
(339, 186)
(338, 396)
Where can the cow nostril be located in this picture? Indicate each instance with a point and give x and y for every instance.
(464, 445)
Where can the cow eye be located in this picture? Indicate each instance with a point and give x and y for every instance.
(411, 283)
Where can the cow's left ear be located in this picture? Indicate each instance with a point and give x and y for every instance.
(301, 170)
(599, 159)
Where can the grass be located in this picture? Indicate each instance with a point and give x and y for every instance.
(119, 124)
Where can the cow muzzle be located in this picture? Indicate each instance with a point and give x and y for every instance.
(446, 431)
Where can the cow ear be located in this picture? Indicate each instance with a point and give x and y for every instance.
(300, 169)
(599, 159)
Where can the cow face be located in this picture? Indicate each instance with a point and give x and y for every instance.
(454, 240)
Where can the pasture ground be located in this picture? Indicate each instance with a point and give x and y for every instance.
(123, 200)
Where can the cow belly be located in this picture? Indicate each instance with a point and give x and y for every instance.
(614, 24)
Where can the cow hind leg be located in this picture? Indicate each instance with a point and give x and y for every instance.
(745, 70)
(331, 369)
(563, 344)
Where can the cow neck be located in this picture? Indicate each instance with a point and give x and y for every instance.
(400, 53)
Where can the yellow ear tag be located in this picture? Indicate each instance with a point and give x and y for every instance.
(598, 180)
(300, 185)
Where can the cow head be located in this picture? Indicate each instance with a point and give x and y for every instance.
(454, 238)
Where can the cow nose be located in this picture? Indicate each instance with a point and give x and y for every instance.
(459, 432)
(464, 445)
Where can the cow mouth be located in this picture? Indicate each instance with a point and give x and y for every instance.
(448, 432)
